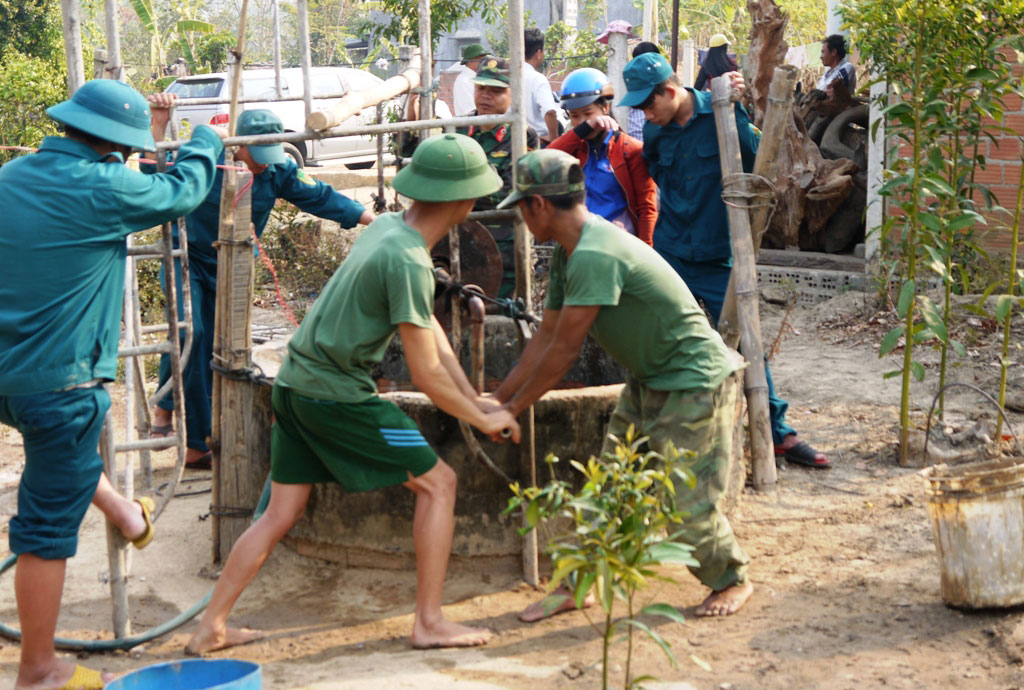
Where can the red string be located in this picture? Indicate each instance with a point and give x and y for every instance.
(273, 274)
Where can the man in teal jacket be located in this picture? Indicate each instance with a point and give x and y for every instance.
(275, 177)
(66, 212)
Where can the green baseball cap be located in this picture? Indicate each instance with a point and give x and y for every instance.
(641, 75)
(494, 71)
(109, 110)
(262, 122)
(546, 172)
(447, 167)
(473, 51)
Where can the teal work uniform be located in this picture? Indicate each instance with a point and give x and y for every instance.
(279, 181)
(330, 424)
(67, 211)
(692, 232)
(497, 144)
(679, 385)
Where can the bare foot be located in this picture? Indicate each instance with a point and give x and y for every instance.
(448, 634)
(57, 676)
(557, 602)
(204, 642)
(726, 602)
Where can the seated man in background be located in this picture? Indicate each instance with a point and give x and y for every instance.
(619, 188)
(837, 67)
(492, 95)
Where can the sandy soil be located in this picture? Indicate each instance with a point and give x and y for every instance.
(847, 582)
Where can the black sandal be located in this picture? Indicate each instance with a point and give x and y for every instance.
(204, 462)
(803, 454)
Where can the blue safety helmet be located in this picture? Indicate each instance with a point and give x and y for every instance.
(584, 86)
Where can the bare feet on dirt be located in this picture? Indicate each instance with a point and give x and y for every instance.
(449, 634)
(546, 607)
(726, 602)
(59, 675)
(204, 642)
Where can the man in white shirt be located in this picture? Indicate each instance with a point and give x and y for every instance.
(541, 109)
(462, 89)
(837, 67)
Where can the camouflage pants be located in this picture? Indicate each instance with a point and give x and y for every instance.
(701, 421)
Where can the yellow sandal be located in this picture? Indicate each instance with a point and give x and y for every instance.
(84, 679)
(147, 505)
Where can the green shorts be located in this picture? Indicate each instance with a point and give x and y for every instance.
(362, 446)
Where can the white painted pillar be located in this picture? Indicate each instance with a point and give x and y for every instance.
(689, 74)
(114, 67)
(833, 20)
(650, 21)
(616, 64)
(875, 210)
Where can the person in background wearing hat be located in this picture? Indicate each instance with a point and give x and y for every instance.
(330, 424)
(67, 211)
(681, 147)
(716, 63)
(680, 387)
(619, 188)
(541, 108)
(636, 121)
(275, 176)
(462, 89)
(493, 96)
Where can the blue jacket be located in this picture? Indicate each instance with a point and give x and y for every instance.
(683, 160)
(279, 181)
(66, 213)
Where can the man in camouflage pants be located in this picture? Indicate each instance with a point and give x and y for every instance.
(492, 96)
(680, 383)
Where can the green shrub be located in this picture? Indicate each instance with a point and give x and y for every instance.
(28, 86)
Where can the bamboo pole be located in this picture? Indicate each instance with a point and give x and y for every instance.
(745, 275)
(355, 101)
(776, 120)
(277, 48)
(527, 449)
(426, 67)
(305, 60)
(71, 17)
(226, 234)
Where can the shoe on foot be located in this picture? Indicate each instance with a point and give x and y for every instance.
(146, 503)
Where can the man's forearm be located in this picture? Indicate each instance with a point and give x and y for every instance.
(451, 364)
(552, 122)
(529, 359)
(555, 362)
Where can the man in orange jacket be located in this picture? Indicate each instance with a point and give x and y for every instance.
(619, 187)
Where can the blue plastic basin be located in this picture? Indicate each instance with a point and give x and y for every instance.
(193, 674)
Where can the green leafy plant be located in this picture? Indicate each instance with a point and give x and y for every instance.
(28, 86)
(402, 23)
(568, 49)
(181, 31)
(623, 520)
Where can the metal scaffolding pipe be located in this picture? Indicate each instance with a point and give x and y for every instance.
(386, 128)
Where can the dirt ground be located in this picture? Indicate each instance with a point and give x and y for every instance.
(847, 581)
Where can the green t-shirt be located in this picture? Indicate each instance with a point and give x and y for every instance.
(649, 321)
(386, 280)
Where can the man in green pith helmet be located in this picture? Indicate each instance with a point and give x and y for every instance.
(493, 96)
(329, 423)
(680, 386)
(66, 213)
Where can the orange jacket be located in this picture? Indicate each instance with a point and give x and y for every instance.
(626, 156)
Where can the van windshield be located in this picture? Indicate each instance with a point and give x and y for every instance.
(206, 88)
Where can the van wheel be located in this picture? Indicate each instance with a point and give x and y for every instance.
(296, 153)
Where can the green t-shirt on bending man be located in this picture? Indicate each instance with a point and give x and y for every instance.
(649, 321)
(387, 279)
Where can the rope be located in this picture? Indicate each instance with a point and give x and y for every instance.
(512, 308)
(253, 374)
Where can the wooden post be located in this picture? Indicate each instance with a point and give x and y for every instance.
(71, 14)
(744, 274)
(777, 115)
(616, 64)
(305, 59)
(114, 67)
(675, 35)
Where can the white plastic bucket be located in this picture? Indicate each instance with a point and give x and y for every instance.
(977, 515)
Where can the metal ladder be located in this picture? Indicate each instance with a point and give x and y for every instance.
(137, 404)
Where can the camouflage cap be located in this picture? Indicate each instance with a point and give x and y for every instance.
(548, 173)
(493, 71)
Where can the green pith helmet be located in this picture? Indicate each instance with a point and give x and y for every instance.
(447, 167)
(109, 110)
(546, 172)
(262, 122)
(472, 52)
(493, 71)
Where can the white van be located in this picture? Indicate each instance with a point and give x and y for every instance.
(260, 83)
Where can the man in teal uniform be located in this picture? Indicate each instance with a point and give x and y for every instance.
(66, 212)
(493, 96)
(692, 232)
(275, 176)
(329, 423)
(680, 386)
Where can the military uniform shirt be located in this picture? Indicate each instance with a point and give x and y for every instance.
(66, 213)
(387, 279)
(648, 321)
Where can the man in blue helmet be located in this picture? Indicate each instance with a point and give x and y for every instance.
(275, 176)
(67, 211)
(692, 234)
(619, 188)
